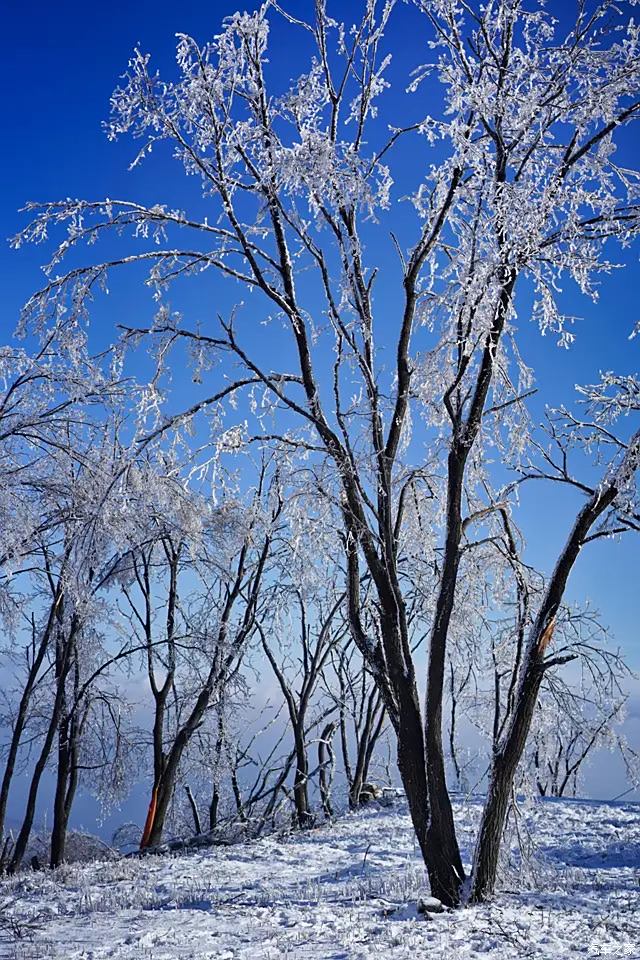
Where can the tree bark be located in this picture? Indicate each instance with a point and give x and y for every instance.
(304, 817)
(325, 767)
(23, 709)
(60, 816)
(367, 739)
(30, 809)
(66, 787)
(509, 752)
(194, 809)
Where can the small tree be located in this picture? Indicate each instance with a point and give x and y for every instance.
(203, 636)
(361, 716)
(316, 624)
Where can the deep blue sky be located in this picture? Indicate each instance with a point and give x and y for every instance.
(60, 64)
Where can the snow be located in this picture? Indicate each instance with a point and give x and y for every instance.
(346, 891)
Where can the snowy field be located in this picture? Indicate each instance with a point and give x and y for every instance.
(347, 890)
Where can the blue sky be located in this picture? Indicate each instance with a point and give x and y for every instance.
(60, 64)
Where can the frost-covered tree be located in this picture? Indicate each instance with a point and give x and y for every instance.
(191, 601)
(62, 571)
(44, 395)
(360, 716)
(298, 631)
(515, 119)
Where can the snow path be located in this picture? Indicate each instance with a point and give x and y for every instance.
(345, 892)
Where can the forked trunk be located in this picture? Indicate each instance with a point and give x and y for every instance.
(436, 836)
(366, 744)
(23, 710)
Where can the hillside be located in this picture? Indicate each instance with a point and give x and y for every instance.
(346, 890)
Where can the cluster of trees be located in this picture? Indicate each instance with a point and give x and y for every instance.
(350, 520)
(136, 613)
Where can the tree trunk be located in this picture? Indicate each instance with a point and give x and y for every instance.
(365, 747)
(30, 810)
(215, 792)
(5, 852)
(194, 809)
(59, 828)
(237, 795)
(12, 754)
(68, 782)
(23, 708)
(325, 767)
(444, 878)
(213, 807)
(14, 744)
(304, 817)
(442, 842)
(41, 762)
(505, 764)
(165, 783)
(507, 755)
(163, 791)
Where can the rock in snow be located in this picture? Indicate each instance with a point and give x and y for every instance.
(430, 905)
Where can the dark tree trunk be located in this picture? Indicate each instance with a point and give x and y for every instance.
(442, 842)
(163, 790)
(61, 827)
(23, 709)
(394, 673)
(164, 793)
(215, 792)
(30, 809)
(237, 795)
(67, 771)
(168, 770)
(45, 751)
(505, 764)
(12, 754)
(325, 767)
(213, 807)
(509, 751)
(304, 817)
(69, 731)
(63, 773)
(444, 878)
(5, 852)
(160, 787)
(194, 809)
(344, 741)
(366, 743)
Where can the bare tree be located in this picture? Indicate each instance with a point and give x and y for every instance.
(221, 628)
(35, 654)
(316, 624)
(609, 508)
(361, 716)
(526, 187)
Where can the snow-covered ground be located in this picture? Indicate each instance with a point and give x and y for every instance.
(342, 891)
